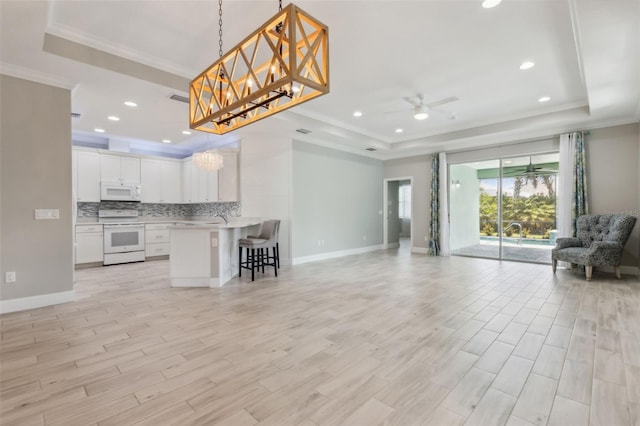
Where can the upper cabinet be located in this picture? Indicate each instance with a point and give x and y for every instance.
(86, 176)
(161, 181)
(119, 168)
(228, 182)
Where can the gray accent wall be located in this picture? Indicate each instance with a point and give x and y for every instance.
(418, 168)
(35, 173)
(613, 161)
(337, 198)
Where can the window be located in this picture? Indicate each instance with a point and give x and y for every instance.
(404, 201)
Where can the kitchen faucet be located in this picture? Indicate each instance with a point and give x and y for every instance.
(224, 217)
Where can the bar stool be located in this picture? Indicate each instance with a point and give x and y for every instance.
(264, 236)
(256, 258)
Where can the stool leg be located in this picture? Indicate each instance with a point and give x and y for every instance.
(277, 250)
(239, 261)
(253, 263)
(262, 258)
(275, 264)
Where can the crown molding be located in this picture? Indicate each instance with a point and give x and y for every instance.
(36, 76)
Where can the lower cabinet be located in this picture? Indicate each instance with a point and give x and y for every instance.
(156, 238)
(89, 244)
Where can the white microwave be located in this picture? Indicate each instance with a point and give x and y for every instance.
(120, 191)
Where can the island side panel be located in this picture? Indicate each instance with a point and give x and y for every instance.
(190, 258)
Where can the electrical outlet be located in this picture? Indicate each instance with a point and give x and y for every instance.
(364, 238)
(9, 277)
(214, 242)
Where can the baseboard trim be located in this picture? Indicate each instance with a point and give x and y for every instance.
(421, 250)
(391, 246)
(33, 302)
(334, 254)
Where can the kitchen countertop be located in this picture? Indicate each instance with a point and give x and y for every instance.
(210, 222)
(219, 225)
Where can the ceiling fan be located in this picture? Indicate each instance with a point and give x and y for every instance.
(529, 170)
(421, 110)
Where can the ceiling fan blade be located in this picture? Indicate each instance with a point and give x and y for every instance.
(443, 101)
(411, 101)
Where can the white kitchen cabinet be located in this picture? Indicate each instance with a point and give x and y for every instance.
(89, 243)
(198, 186)
(161, 181)
(189, 182)
(156, 237)
(119, 168)
(171, 182)
(207, 183)
(87, 176)
(151, 180)
(228, 182)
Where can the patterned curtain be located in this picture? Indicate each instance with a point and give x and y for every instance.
(580, 202)
(434, 231)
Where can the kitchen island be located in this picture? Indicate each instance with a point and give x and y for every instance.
(206, 255)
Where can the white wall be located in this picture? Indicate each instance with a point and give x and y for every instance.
(613, 161)
(265, 183)
(337, 201)
(464, 207)
(35, 173)
(418, 168)
(393, 221)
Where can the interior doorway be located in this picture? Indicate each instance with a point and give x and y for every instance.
(397, 213)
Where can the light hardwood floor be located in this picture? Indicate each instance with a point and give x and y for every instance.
(379, 338)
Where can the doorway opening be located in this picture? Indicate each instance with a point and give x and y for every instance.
(397, 213)
(504, 208)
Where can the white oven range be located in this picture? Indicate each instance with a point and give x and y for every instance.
(123, 236)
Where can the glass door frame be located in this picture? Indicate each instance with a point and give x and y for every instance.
(500, 178)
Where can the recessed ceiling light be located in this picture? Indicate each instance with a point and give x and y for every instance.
(166, 140)
(97, 129)
(526, 65)
(357, 114)
(544, 99)
(186, 132)
(131, 104)
(488, 4)
(113, 118)
(399, 130)
(507, 161)
(295, 89)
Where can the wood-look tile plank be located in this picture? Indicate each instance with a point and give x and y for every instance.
(576, 381)
(494, 358)
(463, 398)
(568, 412)
(493, 409)
(513, 375)
(550, 361)
(534, 404)
(610, 406)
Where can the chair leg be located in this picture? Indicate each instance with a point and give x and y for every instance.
(554, 264)
(275, 262)
(253, 263)
(239, 261)
(588, 270)
(277, 250)
(617, 269)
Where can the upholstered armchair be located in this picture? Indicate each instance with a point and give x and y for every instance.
(599, 242)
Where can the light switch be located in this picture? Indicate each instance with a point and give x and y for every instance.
(47, 214)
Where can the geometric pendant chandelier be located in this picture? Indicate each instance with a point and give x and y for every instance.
(283, 63)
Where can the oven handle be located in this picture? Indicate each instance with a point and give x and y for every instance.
(124, 225)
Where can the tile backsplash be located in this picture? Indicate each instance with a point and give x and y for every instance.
(228, 209)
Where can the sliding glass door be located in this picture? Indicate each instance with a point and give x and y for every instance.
(504, 208)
